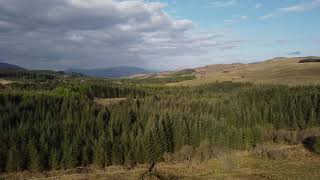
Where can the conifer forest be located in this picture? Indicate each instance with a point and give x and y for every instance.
(58, 123)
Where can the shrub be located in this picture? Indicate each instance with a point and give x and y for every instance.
(282, 136)
(185, 153)
(168, 157)
(316, 145)
(264, 151)
(312, 144)
(158, 175)
(277, 154)
(306, 133)
(217, 152)
(203, 152)
(261, 150)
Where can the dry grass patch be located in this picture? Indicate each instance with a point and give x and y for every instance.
(109, 101)
(5, 82)
(238, 165)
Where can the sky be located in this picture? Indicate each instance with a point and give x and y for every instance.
(155, 34)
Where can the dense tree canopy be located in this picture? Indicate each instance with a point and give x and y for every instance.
(58, 125)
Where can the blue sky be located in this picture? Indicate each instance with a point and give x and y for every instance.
(268, 28)
(155, 34)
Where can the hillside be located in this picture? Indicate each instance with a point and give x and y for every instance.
(10, 66)
(290, 71)
(275, 71)
(120, 71)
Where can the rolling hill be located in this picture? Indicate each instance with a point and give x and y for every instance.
(281, 70)
(10, 66)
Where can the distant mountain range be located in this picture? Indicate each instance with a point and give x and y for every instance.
(120, 71)
(10, 66)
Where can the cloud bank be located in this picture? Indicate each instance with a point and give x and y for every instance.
(92, 33)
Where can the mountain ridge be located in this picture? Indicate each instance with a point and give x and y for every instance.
(4, 65)
(119, 71)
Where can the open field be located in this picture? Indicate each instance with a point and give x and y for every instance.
(5, 82)
(299, 164)
(276, 71)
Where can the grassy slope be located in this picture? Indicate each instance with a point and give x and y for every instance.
(275, 71)
(300, 164)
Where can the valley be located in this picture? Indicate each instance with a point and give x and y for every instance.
(70, 126)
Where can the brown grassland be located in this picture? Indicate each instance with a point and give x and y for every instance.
(275, 71)
(299, 164)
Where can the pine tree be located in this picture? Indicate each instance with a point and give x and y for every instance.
(86, 155)
(150, 147)
(100, 152)
(117, 153)
(70, 155)
(34, 159)
(14, 161)
(168, 131)
(54, 162)
(203, 151)
(3, 153)
(312, 122)
(301, 120)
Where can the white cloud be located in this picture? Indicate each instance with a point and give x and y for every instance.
(75, 37)
(244, 17)
(268, 16)
(236, 19)
(222, 4)
(258, 5)
(228, 20)
(302, 7)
